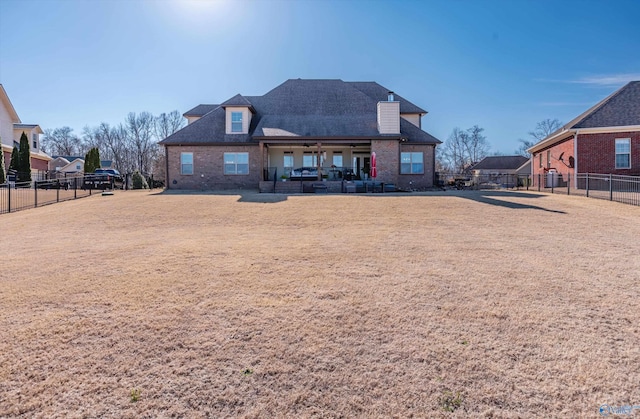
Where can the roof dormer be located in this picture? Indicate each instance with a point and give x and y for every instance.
(238, 113)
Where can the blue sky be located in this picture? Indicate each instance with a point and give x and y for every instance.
(503, 65)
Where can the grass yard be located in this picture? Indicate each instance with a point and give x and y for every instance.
(452, 304)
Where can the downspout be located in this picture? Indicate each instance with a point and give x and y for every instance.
(575, 159)
(166, 165)
(433, 165)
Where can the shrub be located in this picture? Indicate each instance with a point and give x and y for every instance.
(139, 182)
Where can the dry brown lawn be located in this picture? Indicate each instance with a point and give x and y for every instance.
(220, 305)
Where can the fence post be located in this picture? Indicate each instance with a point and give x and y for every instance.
(568, 183)
(587, 183)
(610, 187)
(58, 193)
(75, 188)
(8, 197)
(35, 192)
(551, 180)
(538, 182)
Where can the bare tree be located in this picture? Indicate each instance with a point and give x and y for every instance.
(61, 142)
(132, 145)
(140, 130)
(464, 148)
(476, 144)
(543, 129)
(166, 124)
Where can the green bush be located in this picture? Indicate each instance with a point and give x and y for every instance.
(139, 182)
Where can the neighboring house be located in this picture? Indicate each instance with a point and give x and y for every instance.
(106, 164)
(604, 139)
(498, 165)
(499, 169)
(329, 126)
(64, 166)
(11, 129)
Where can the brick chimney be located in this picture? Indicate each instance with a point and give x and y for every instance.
(389, 116)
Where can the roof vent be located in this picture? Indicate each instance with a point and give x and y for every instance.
(390, 97)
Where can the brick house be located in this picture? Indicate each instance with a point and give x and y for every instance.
(11, 129)
(308, 130)
(604, 139)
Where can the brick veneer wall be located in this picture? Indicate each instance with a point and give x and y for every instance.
(418, 181)
(566, 147)
(388, 164)
(208, 168)
(597, 153)
(387, 160)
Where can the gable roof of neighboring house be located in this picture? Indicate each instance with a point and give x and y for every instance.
(200, 110)
(8, 105)
(71, 166)
(619, 110)
(67, 158)
(29, 127)
(500, 163)
(313, 109)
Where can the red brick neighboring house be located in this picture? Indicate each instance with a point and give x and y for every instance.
(331, 126)
(604, 139)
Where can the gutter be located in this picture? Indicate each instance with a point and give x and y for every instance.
(575, 159)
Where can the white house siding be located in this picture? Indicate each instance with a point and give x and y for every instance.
(389, 117)
(6, 126)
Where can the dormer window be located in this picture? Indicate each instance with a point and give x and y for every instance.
(236, 121)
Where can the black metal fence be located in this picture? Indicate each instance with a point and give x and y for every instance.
(483, 181)
(618, 188)
(16, 196)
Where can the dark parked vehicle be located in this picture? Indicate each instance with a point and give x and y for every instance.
(103, 179)
(53, 184)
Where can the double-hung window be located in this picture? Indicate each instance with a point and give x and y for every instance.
(288, 162)
(236, 121)
(623, 153)
(236, 163)
(411, 163)
(309, 159)
(186, 163)
(337, 158)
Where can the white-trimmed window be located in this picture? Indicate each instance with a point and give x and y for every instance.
(236, 163)
(288, 162)
(309, 159)
(623, 153)
(337, 158)
(186, 163)
(236, 121)
(411, 163)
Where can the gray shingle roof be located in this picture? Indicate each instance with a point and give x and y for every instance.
(237, 100)
(304, 108)
(620, 109)
(500, 163)
(380, 93)
(200, 110)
